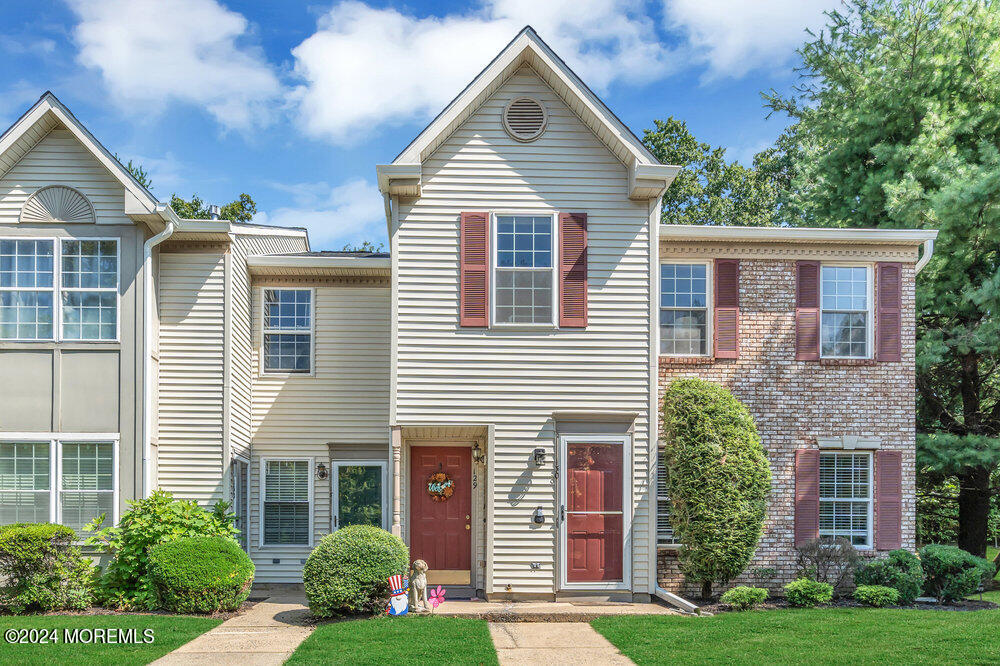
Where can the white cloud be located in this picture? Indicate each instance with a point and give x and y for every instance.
(733, 37)
(150, 53)
(351, 212)
(366, 67)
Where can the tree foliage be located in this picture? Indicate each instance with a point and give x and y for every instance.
(709, 189)
(240, 210)
(897, 125)
(718, 480)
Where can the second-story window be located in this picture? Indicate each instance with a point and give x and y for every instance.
(844, 329)
(684, 321)
(288, 320)
(89, 298)
(524, 269)
(26, 289)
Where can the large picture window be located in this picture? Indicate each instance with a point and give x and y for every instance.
(845, 497)
(286, 510)
(524, 269)
(67, 481)
(86, 305)
(846, 316)
(288, 317)
(684, 320)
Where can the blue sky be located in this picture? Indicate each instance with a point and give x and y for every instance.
(295, 103)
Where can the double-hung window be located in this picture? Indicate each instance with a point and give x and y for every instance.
(83, 272)
(684, 316)
(286, 510)
(525, 269)
(845, 327)
(288, 330)
(69, 481)
(845, 497)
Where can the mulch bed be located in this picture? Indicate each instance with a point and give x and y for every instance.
(98, 610)
(846, 602)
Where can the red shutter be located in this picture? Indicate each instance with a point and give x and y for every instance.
(474, 271)
(806, 495)
(573, 270)
(888, 500)
(726, 325)
(888, 307)
(806, 310)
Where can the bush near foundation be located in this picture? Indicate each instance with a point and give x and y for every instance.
(40, 569)
(200, 574)
(876, 595)
(900, 569)
(951, 574)
(744, 598)
(808, 593)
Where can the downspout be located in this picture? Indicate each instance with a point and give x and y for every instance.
(147, 355)
(926, 256)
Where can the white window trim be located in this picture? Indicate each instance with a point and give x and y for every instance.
(57, 288)
(709, 305)
(626, 443)
(242, 459)
(264, 372)
(871, 492)
(335, 466)
(869, 318)
(263, 495)
(493, 270)
(669, 545)
(55, 442)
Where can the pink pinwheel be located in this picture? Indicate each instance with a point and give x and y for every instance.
(436, 597)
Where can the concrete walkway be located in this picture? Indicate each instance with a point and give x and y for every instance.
(550, 643)
(265, 635)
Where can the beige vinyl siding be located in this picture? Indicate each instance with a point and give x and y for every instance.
(59, 159)
(191, 376)
(516, 379)
(343, 404)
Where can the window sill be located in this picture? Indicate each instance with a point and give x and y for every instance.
(667, 361)
(524, 327)
(669, 547)
(50, 344)
(843, 362)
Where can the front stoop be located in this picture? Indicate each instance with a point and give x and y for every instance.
(547, 611)
(266, 635)
(552, 643)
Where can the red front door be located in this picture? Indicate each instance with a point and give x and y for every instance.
(440, 531)
(594, 518)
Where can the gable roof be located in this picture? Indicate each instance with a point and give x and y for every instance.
(647, 177)
(49, 113)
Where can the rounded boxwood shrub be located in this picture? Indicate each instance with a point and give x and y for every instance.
(900, 570)
(200, 574)
(40, 569)
(951, 574)
(807, 593)
(718, 480)
(348, 570)
(742, 597)
(876, 595)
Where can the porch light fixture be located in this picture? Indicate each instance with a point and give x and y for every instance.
(321, 471)
(477, 453)
(538, 455)
(538, 516)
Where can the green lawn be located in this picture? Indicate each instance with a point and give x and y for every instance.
(169, 632)
(991, 554)
(821, 636)
(399, 640)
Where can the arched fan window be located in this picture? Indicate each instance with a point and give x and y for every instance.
(58, 203)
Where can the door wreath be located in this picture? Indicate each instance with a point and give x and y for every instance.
(440, 486)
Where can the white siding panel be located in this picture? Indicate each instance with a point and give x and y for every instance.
(192, 325)
(516, 379)
(345, 403)
(59, 159)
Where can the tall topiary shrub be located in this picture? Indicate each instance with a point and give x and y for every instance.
(718, 480)
(40, 569)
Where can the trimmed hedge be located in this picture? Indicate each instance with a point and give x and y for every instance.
(200, 574)
(900, 570)
(951, 573)
(742, 597)
(718, 480)
(876, 595)
(807, 593)
(348, 570)
(40, 569)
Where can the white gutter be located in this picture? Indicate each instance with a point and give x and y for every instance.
(168, 214)
(926, 256)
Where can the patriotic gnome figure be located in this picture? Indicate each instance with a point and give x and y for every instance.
(398, 599)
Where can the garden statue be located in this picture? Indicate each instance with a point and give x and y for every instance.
(397, 595)
(418, 587)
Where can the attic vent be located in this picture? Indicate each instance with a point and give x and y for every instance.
(57, 203)
(524, 118)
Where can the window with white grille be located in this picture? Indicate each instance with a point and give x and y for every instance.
(525, 270)
(845, 497)
(845, 327)
(287, 496)
(288, 330)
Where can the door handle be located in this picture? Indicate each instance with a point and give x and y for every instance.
(468, 527)
(562, 513)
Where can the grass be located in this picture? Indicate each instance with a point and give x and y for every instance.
(821, 636)
(169, 632)
(991, 554)
(399, 640)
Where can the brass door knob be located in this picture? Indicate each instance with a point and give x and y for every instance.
(467, 527)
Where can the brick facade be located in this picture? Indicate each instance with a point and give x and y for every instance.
(794, 402)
